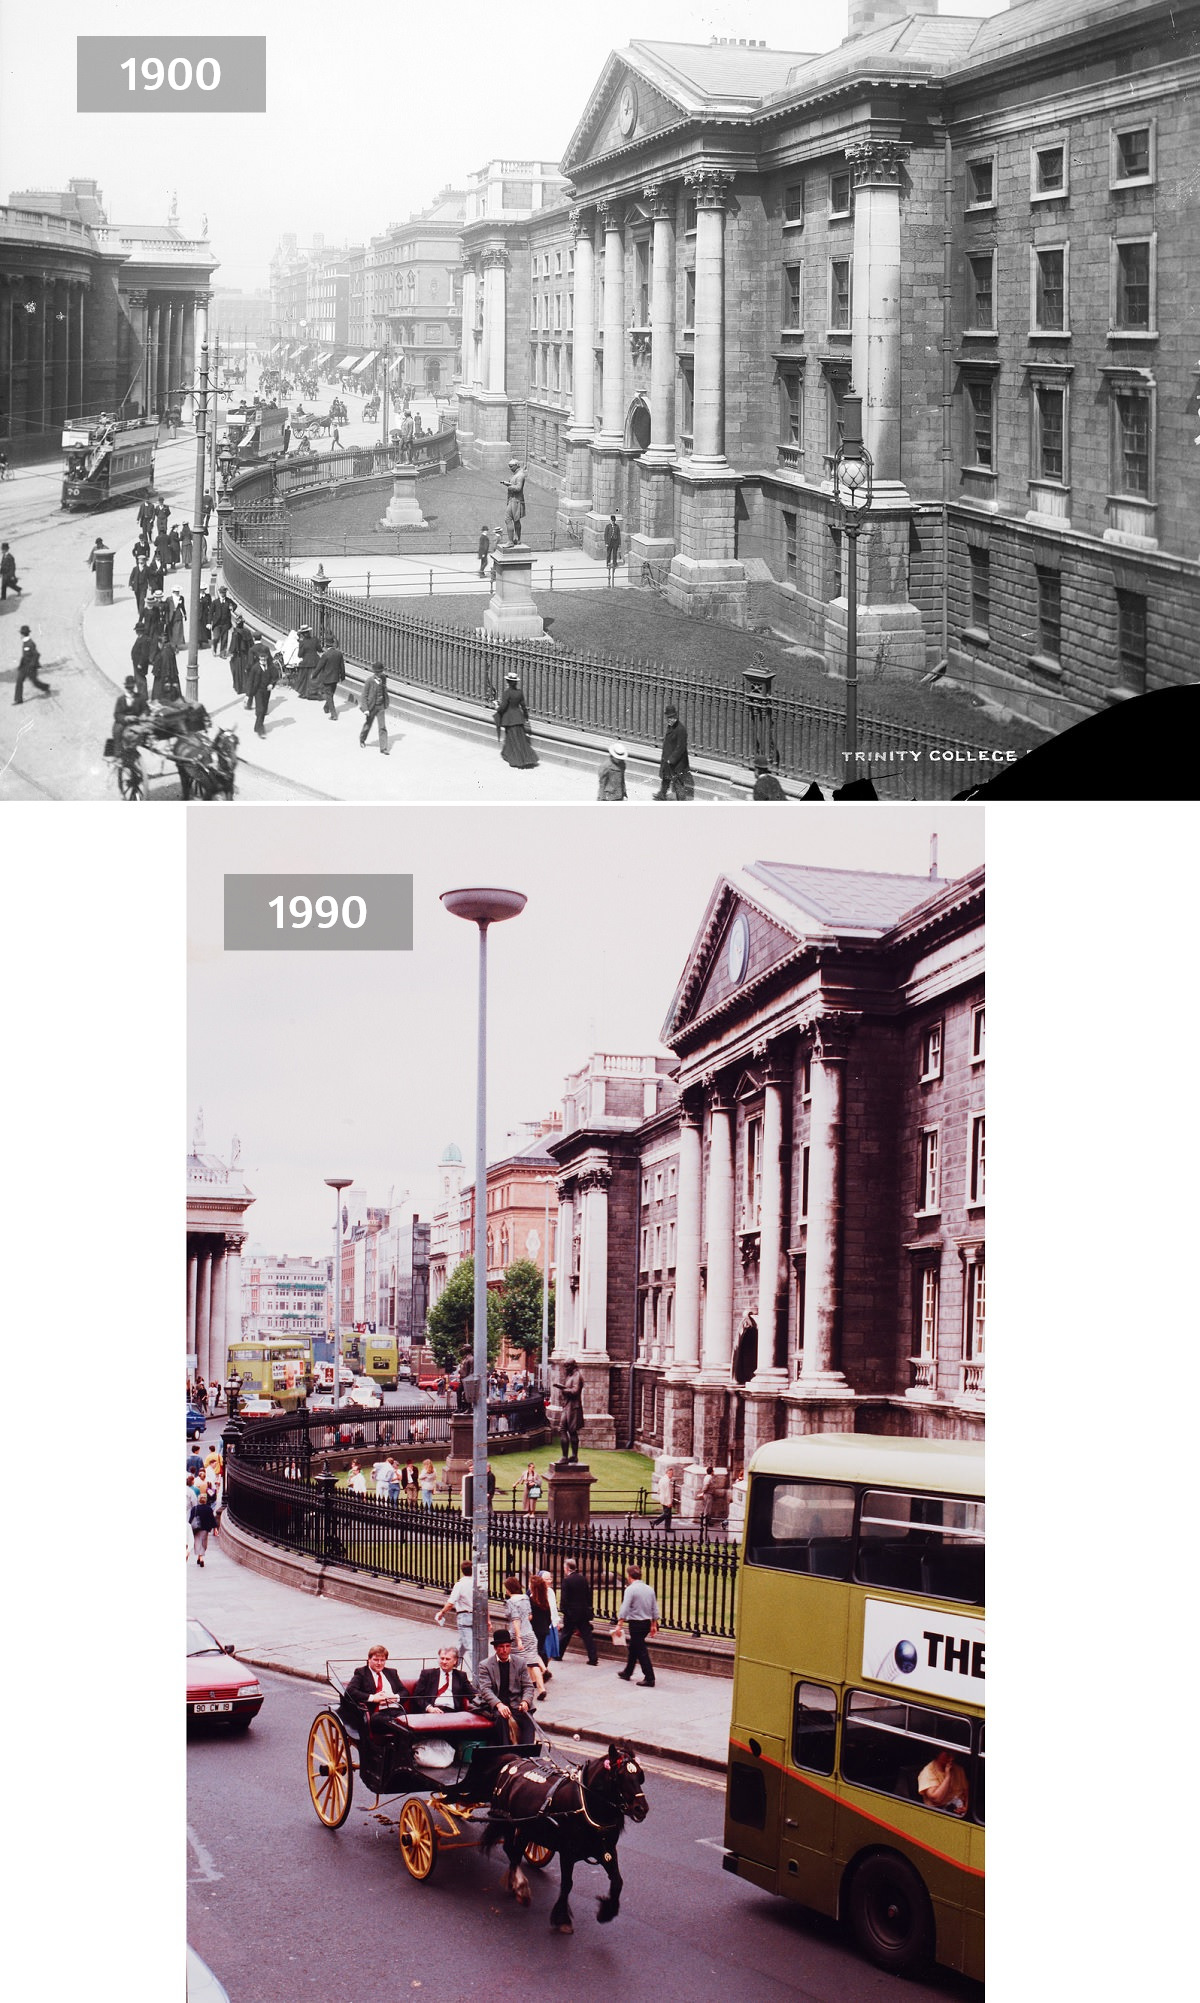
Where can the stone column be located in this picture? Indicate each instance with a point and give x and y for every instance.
(466, 403)
(564, 1296)
(151, 371)
(59, 308)
(80, 403)
(718, 1306)
(706, 576)
(769, 1379)
(492, 404)
(654, 541)
(192, 1278)
(823, 1258)
(677, 1400)
(217, 1337)
(189, 388)
(890, 631)
(609, 446)
(576, 499)
(593, 1276)
(139, 348)
(204, 1313)
(233, 1295)
(177, 387)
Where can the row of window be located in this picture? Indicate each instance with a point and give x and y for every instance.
(889, 1744)
(1132, 411)
(933, 1041)
(929, 1170)
(928, 1316)
(1132, 164)
(1129, 613)
(895, 1539)
(1132, 289)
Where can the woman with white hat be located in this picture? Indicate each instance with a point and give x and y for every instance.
(612, 774)
(512, 726)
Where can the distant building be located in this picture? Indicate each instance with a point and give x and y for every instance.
(416, 306)
(284, 1296)
(217, 1202)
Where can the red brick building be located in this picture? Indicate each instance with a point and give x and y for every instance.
(788, 1235)
(982, 227)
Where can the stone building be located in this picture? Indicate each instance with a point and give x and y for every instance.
(522, 1211)
(93, 315)
(417, 303)
(786, 1234)
(217, 1202)
(284, 1296)
(985, 229)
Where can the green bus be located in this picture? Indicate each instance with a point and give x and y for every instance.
(272, 1367)
(380, 1359)
(856, 1778)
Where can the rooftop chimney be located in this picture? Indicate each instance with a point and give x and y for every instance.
(933, 858)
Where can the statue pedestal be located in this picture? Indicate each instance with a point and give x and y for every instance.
(404, 509)
(569, 1500)
(511, 612)
(460, 1459)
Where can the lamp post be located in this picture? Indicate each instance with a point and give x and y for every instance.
(337, 1183)
(482, 907)
(852, 487)
(193, 657)
(545, 1374)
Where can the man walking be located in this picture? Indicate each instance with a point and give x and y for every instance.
(139, 583)
(575, 1599)
(638, 1615)
(675, 780)
(28, 665)
(260, 680)
(461, 1604)
(373, 703)
(8, 572)
(331, 669)
(665, 1497)
(612, 547)
(485, 549)
(611, 784)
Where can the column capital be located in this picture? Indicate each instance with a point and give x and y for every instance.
(661, 197)
(775, 1059)
(234, 1240)
(564, 1188)
(594, 1178)
(612, 215)
(137, 298)
(876, 162)
(831, 1036)
(710, 186)
(495, 256)
(691, 1110)
(581, 221)
(199, 299)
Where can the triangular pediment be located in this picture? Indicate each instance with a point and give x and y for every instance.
(624, 109)
(739, 942)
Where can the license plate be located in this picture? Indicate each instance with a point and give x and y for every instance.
(212, 1707)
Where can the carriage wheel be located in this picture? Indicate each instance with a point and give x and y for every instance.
(330, 1770)
(537, 1856)
(129, 781)
(418, 1840)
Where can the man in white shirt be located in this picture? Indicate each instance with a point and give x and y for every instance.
(638, 1616)
(461, 1604)
(666, 1501)
(444, 1688)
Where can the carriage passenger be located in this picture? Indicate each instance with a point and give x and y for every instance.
(504, 1690)
(374, 1694)
(444, 1688)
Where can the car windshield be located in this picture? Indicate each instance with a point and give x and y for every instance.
(200, 1641)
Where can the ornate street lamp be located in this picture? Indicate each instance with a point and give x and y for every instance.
(852, 490)
(482, 907)
(758, 681)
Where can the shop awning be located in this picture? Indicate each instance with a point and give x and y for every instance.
(322, 359)
(348, 362)
(366, 361)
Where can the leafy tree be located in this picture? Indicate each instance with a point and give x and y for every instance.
(450, 1322)
(521, 1309)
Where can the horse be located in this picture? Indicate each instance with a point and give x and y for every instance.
(577, 1812)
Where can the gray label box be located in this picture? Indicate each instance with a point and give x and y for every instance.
(199, 73)
(346, 914)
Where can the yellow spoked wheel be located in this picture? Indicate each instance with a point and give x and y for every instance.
(330, 1770)
(537, 1856)
(418, 1840)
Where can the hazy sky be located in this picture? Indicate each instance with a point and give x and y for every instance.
(363, 1064)
(370, 110)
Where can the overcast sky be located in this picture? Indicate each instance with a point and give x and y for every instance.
(370, 110)
(363, 1064)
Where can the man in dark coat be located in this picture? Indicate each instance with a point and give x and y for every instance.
(27, 667)
(165, 686)
(146, 517)
(261, 678)
(575, 1599)
(331, 669)
(612, 546)
(308, 656)
(504, 1689)
(240, 648)
(162, 515)
(374, 705)
(222, 621)
(185, 543)
(8, 572)
(675, 780)
(373, 1692)
(155, 574)
(139, 583)
(444, 1688)
(130, 704)
(141, 654)
(485, 549)
(204, 638)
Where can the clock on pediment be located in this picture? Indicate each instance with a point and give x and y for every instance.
(627, 109)
(737, 952)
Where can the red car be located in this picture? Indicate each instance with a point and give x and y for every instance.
(218, 1686)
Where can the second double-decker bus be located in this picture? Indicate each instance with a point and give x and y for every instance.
(856, 1779)
(380, 1360)
(271, 1367)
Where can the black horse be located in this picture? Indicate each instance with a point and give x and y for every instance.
(578, 1813)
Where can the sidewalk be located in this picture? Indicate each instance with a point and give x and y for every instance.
(274, 1626)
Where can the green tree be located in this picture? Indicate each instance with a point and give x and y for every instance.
(450, 1322)
(521, 1308)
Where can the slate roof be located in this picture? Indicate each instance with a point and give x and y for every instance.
(722, 69)
(846, 899)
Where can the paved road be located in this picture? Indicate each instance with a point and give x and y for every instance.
(281, 1908)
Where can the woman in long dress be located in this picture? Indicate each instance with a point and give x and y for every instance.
(512, 726)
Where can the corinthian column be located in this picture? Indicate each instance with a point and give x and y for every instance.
(612, 426)
(711, 191)
(662, 324)
(564, 1295)
(877, 166)
(718, 1305)
(593, 1276)
(823, 1260)
(576, 498)
(681, 1372)
(770, 1240)
(495, 267)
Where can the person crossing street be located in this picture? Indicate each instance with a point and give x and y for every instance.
(28, 665)
(373, 703)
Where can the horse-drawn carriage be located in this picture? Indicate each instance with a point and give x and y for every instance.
(453, 1788)
(179, 734)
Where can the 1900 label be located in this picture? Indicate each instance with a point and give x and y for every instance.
(171, 73)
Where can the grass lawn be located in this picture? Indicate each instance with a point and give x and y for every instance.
(618, 1478)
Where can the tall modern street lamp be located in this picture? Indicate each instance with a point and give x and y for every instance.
(482, 907)
(545, 1372)
(337, 1183)
(852, 488)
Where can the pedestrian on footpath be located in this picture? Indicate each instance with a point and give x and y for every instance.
(241, 646)
(261, 677)
(203, 1520)
(612, 547)
(173, 548)
(8, 572)
(637, 1615)
(675, 780)
(222, 621)
(331, 670)
(27, 667)
(373, 702)
(461, 1604)
(512, 726)
(165, 686)
(665, 1497)
(611, 784)
(485, 550)
(97, 549)
(185, 544)
(139, 583)
(577, 1608)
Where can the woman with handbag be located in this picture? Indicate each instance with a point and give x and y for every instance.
(518, 1613)
(531, 1482)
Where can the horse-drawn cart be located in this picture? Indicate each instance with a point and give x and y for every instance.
(179, 734)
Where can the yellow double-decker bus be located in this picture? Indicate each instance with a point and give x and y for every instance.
(272, 1367)
(855, 1782)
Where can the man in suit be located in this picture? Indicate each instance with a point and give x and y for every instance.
(612, 547)
(374, 1692)
(575, 1599)
(444, 1688)
(374, 704)
(331, 670)
(504, 1689)
(261, 678)
(27, 667)
(139, 583)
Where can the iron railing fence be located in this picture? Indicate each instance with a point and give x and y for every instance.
(297, 1437)
(602, 694)
(695, 1583)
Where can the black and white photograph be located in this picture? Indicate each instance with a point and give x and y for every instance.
(623, 406)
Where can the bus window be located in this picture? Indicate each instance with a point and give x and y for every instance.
(930, 1544)
(801, 1526)
(887, 1744)
(814, 1727)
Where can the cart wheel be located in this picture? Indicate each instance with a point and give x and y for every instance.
(330, 1770)
(418, 1842)
(537, 1856)
(129, 781)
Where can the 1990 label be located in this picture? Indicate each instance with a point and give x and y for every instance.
(318, 914)
(171, 73)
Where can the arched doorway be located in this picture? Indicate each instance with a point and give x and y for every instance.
(433, 373)
(745, 1355)
(637, 425)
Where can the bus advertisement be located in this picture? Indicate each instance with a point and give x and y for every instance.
(856, 1754)
(110, 459)
(272, 1368)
